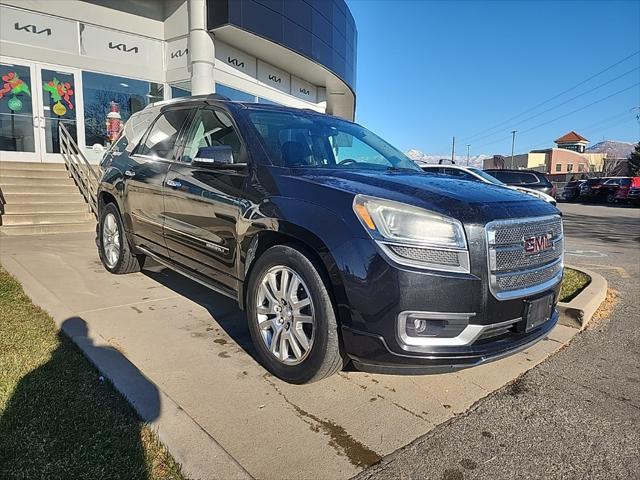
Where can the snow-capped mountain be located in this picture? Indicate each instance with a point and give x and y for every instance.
(419, 157)
(612, 148)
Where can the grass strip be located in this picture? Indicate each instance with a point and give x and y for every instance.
(59, 419)
(573, 282)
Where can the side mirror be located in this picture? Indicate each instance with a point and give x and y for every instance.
(217, 155)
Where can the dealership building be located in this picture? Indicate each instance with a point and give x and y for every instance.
(75, 61)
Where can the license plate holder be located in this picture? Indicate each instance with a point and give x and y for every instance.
(537, 312)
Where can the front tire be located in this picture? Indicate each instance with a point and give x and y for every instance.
(291, 317)
(113, 246)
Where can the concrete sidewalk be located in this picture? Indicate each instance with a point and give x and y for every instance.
(221, 414)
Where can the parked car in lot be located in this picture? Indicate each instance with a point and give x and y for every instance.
(590, 189)
(476, 175)
(337, 245)
(571, 191)
(524, 178)
(630, 192)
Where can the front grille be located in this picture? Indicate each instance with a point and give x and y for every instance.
(513, 272)
(428, 255)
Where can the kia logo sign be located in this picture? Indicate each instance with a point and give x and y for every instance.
(31, 29)
(275, 78)
(235, 61)
(179, 53)
(304, 91)
(537, 244)
(122, 47)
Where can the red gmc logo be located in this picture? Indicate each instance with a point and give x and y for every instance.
(537, 244)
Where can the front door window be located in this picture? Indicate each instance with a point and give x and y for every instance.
(16, 109)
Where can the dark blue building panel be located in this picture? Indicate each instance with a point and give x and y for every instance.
(321, 30)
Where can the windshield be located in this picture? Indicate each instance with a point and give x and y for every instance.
(302, 140)
(486, 176)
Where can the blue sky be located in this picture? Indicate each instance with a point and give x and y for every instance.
(428, 70)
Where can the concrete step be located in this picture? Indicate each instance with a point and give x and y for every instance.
(35, 189)
(31, 166)
(44, 218)
(35, 181)
(89, 226)
(53, 207)
(43, 198)
(33, 173)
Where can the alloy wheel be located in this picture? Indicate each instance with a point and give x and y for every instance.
(285, 315)
(111, 240)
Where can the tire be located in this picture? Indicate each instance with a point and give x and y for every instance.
(116, 257)
(323, 357)
(611, 199)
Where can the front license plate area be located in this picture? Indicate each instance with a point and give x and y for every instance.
(538, 311)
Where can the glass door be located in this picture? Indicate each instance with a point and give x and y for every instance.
(60, 102)
(19, 132)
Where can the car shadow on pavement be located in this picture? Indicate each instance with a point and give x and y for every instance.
(223, 310)
(64, 420)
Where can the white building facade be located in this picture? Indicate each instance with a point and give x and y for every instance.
(75, 61)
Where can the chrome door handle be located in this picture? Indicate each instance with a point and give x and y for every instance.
(129, 173)
(43, 122)
(173, 184)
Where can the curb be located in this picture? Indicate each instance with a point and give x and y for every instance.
(578, 312)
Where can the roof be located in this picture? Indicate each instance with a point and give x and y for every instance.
(571, 137)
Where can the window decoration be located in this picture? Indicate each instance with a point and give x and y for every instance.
(13, 85)
(59, 91)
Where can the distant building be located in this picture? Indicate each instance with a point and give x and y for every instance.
(569, 157)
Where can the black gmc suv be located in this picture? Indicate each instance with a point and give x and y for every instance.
(337, 245)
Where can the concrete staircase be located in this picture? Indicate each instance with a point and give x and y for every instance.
(39, 198)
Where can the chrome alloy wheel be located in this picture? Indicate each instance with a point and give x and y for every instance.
(111, 240)
(285, 315)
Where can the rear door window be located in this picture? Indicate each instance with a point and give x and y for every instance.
(528, 178)
(211, 128)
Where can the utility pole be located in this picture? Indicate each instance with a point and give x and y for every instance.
(453, 149)
(468, 145)
(513, 144)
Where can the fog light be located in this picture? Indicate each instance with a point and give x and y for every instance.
(419, 325)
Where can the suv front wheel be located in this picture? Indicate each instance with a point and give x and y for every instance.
(113, 247)
(291, 317)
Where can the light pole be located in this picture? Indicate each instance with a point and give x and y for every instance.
(468, 146)
(513, 144)
(453, 149)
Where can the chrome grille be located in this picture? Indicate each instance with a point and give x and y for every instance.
(514, 273)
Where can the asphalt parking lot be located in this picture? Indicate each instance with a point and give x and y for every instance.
(577, 415)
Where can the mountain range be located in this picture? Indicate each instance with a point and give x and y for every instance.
(419, 156)
(612, 148)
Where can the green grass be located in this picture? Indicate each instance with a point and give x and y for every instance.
(58, 419)
(573, 282)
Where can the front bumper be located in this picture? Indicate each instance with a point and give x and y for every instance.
(371, 353)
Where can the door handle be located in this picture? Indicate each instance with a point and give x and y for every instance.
(173, 184)
(129, 173)
(43, 122)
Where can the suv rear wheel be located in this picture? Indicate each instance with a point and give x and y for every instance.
(113, 247)
(291, 317)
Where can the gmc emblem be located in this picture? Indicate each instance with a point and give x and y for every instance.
(537, 243)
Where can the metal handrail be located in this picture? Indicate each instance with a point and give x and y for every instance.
(79, 168)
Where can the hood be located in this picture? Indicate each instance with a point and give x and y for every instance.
(464, 200)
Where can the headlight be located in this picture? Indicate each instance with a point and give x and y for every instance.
(412, 235)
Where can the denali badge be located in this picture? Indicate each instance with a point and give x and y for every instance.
(537, 243)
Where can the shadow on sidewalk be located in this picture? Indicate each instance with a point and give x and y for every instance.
(64, 421)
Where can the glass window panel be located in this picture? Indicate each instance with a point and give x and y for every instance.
(59, 101)
(16, 109)
(234, 94)
(163, 135)
(127, 94)
(178, 92)
(211, 128)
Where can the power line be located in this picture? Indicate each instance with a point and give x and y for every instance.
(554, 97)
(564, 115)
(563, 103)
